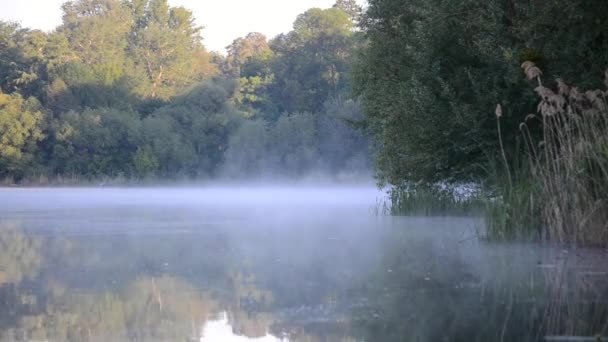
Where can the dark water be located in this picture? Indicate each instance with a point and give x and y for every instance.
(277, 264)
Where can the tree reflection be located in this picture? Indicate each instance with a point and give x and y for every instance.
(427, 290)
(418, 287)
(149, 309)
(19, 255)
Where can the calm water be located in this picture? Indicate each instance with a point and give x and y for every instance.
(277, 264)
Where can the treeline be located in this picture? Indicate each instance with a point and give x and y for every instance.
(127, 89)
(447, 103)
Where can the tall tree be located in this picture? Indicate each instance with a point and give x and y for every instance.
(350, 7)
(312, 61)
(164, 45)
(23, 59)
(97, 31)
(253, 47)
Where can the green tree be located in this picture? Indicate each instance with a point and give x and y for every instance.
(97, 31)
(432, 73)
(247, 50)
(190, 135)
(312, 61)
(429, 78)
(21, 126)
(163, 45)
(95, 142)
(23, 58)
(350, 7)
(249, 61)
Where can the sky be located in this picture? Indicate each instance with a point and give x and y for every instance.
(223, 20)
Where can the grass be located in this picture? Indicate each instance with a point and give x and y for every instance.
(511, 209)
(434, 202)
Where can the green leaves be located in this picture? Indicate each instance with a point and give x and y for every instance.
(164, 45)
(430, 79)
(21, 123)
(126, 91)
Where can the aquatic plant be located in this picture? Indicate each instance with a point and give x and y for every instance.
(566, 181)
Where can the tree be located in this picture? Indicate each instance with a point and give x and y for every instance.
(312, 61)
(97, 31)
(253, 47)
(95, 142)
(22, 59)
(190, 135)
(163, 45)
(429, 78)
(127, 88)
(350, 7)
(21, 128)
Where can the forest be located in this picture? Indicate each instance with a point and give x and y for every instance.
(507, 97)
(126, 90)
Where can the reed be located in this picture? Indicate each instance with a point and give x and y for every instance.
(433, 201)
(568, 164)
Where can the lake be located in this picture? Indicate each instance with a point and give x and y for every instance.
(278, 264)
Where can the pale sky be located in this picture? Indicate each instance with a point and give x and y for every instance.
(224, 20)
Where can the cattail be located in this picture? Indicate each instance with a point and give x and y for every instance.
(527, 64)
(595, 97)
(544, 92)
(563, 88)
(577, 99)
(543, 108)
(590, 112)
(498, 111)
(531, 70)
(551, 102)
(576, 95)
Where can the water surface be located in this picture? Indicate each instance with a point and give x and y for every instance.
(277, 264)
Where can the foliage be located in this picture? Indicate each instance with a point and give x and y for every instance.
(190, 135)
(126, 89)
(94, 142)
(21, 122)
(164, 45)
(312, 61)
(299, 144)
(432, 72)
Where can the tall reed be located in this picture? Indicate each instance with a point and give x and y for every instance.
(569, 163)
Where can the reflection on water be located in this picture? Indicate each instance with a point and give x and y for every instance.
(276, 265)
(222, 330)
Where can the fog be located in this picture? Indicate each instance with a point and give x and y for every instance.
(275, 262)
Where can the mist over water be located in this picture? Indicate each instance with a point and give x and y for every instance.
(271, 263)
